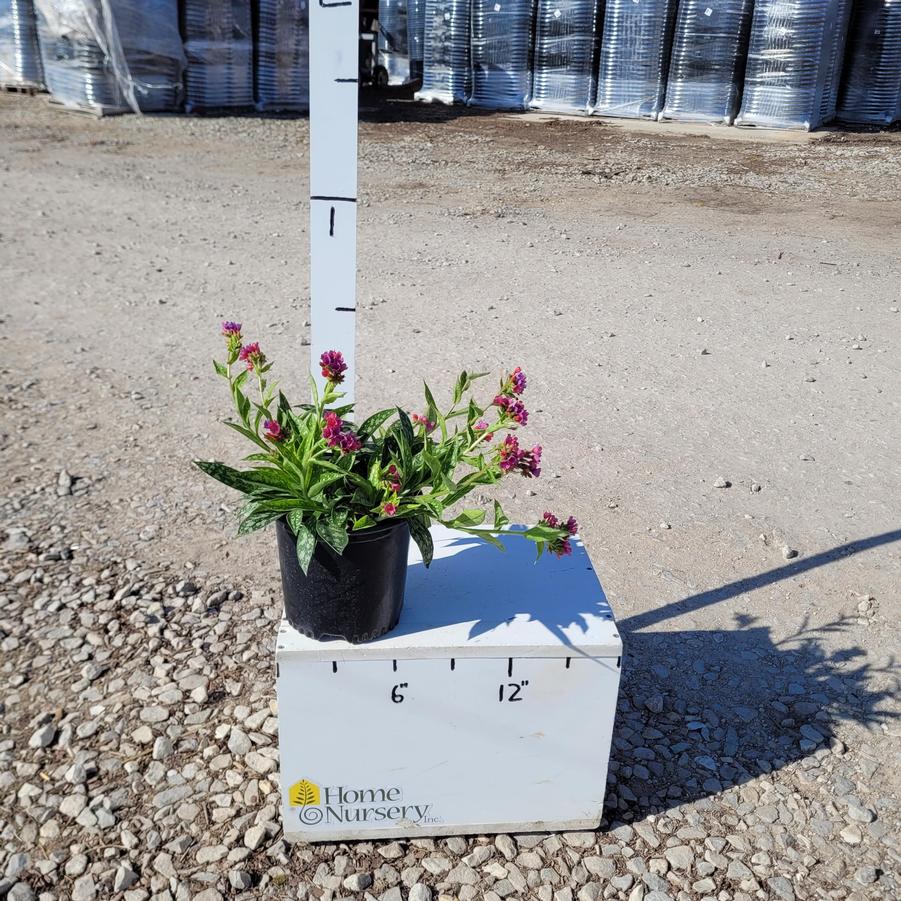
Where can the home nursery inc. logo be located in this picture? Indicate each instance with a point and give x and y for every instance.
(339, 804)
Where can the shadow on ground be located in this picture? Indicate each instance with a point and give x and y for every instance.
(701, 711)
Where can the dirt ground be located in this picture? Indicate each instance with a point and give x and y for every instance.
(693, 307)
(688, 304)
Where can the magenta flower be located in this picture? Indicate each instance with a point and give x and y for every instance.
(509, 454)
(482, 426)
(231, 329)
(252, 356)
(515, 409)
(560, 546)
(530, 463)
(389, 509)
(393, 478)
(424, 421)
(272, 430)
(337, 435)
(517, 381)
(333, 366)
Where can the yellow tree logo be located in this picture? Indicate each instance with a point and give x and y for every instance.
(303, 794)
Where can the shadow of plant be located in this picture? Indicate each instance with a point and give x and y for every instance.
(702, 711)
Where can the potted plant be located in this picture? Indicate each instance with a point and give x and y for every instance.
(345, 498)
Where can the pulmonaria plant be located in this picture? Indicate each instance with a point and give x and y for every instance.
(330, 477)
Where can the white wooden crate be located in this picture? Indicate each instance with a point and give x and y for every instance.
(488, 709)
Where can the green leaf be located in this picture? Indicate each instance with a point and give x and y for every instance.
(333, 531)
(500, 518)
(258, 519)
(276, 478)
(404, 426)
(373, 422)
(362, 522)
(542, 532)
(467, 518)
(295, 520)
(306, 544)
(460, 387)
(323, 483)
(221, 369)
(225, 474)
(419, 531)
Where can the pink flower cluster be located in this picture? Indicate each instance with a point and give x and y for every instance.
(252, 356)
(513, 408)
(393, 480)
(337, 435)
(517, 381)
(482, 426)
(512, 458)
(424, 421)
(561, 546)
(272, 430)
(333, 366)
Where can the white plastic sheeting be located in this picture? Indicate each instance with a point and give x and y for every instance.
(446, 70)
(794, 63)
(20, 56)
(394, 51)
(501, 49)
(566, 41)
(111, 55)
(707, 64)
(283, 55)
(219, 46)
(635, 52)
(871, 85)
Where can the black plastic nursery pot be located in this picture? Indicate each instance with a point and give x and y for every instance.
(357, 595)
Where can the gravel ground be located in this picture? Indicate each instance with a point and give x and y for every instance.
(709, 320)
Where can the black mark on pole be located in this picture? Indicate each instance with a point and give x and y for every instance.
(453, 664)
(277, 671)
(334, 667)
(331, 223)
(394, 665)
(346, 309)
(325, 5)
(619, 661)
(333, 198)
(509, 666)
(348, 80)
(568, 661)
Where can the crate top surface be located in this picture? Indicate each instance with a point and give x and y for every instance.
(476, 601)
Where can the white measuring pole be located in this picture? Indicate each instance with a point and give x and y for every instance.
(334, 83)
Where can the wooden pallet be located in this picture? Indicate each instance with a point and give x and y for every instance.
(96, 112)
(15, 88)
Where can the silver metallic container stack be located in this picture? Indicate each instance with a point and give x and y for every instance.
(635, 52)
(416, 37)
(446, 70)
(501, 49)
(111, 56)
(20, 56)
(566, 41)
(283, 56)
(394, 52)
(219, 45)
(794, 63)
(870, 93)
(707, 64)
